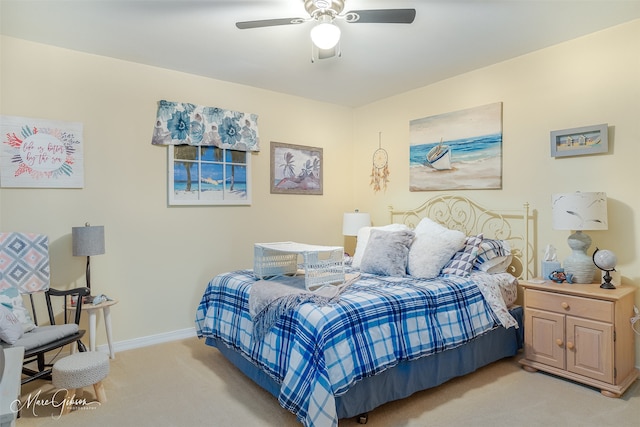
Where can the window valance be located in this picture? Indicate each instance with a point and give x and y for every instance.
(179, 123)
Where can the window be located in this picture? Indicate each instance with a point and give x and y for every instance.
(208, 175)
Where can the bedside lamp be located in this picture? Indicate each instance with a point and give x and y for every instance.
(354, 221)
(88, 241)
(578, 212)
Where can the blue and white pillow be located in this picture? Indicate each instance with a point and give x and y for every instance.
(494, 256)
(462, 261)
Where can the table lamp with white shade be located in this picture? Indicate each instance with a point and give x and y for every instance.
(352, 222)
(578, 212)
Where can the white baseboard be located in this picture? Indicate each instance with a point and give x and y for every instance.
(148, 340)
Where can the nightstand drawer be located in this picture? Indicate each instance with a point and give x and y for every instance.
(568, 304)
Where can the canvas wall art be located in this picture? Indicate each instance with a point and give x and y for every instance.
(40, 153)
(461, 150)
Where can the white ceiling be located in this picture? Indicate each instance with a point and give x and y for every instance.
(447, 38)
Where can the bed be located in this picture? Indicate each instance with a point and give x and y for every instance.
(385, 336)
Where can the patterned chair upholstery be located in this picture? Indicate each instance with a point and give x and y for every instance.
(24, 270)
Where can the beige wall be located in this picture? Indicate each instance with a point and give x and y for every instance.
(587, 81)
(160, 258)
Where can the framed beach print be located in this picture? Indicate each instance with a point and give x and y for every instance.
(208, 175)
(580, 141)
(461, 150)
(295, 169)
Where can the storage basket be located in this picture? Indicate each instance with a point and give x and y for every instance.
(322, 265)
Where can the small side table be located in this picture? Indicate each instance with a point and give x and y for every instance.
(106, 312)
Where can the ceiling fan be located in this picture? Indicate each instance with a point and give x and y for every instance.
(325, 35)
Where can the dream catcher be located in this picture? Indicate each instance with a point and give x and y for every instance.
(380, 170)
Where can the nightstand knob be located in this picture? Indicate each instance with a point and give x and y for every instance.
(570, 345)
(559, 342)
(565, 305)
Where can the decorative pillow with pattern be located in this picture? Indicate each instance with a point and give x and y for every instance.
(494, 256)
(462, 262)
(10, 297)
(386, 253)
(10, 326)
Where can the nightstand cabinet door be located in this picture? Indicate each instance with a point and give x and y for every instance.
(544, 337)
(590, 349)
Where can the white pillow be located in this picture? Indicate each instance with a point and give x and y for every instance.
(363, 238)
(433, 246)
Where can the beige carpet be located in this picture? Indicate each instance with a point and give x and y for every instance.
(186, 383)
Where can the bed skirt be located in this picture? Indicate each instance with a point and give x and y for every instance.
(405, 378)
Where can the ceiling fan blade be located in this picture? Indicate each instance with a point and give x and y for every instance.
(268, 23)
(384, 16)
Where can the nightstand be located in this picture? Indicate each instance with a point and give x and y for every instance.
(580, 332)
(92, 310)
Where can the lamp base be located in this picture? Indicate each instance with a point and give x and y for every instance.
(579, 264)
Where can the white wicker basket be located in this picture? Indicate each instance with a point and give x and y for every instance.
(322, 265)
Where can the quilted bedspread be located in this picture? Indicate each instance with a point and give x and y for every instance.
(318, 352)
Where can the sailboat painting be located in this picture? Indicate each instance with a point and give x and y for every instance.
(461, 150)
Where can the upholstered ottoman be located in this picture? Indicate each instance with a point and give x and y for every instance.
(81, 370)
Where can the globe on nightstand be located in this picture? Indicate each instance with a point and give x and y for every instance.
(606, 261)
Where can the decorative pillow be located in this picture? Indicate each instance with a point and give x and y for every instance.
(363, 238)
(386, 253)
(432, 247)
(494, 256)
(10, 326)
(10, 297)
(463, 260)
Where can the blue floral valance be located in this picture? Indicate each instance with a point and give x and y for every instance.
(179, 123)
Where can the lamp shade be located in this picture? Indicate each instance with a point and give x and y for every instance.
(354, 221)
(88, 240)
(579, 211)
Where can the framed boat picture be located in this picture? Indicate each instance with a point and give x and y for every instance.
(461, 150)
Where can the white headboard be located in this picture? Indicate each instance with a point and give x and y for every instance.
(516, 226)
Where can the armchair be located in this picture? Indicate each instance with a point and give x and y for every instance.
(24, 270)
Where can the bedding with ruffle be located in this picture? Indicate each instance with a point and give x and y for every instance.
(318, 352)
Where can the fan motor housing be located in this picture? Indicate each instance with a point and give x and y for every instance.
(315, 8)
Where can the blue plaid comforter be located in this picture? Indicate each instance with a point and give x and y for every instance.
(317, 353)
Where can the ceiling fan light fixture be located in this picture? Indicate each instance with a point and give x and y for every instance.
(325, 35)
